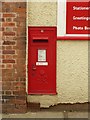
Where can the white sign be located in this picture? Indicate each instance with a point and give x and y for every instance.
(42, 63)
(41, 55)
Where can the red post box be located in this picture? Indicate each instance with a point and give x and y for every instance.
(42, 60)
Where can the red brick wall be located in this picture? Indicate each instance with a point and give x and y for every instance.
(13, 30)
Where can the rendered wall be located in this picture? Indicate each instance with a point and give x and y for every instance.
(42, 14)
(72, 60)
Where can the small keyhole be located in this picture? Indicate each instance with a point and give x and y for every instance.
(42, 31)
(33, 67)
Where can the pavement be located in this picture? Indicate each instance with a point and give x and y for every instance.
(50, 114)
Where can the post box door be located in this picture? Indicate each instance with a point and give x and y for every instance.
(42, 63)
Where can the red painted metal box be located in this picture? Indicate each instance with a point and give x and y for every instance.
(42, 60)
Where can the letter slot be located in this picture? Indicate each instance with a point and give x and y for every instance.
(40, 41)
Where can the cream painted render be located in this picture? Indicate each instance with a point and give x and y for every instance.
(72, 60)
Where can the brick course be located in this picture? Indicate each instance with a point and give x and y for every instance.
(13, 55)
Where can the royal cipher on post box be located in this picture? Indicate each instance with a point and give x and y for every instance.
(41, 60)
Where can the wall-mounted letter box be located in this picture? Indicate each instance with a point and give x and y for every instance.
(42, 60)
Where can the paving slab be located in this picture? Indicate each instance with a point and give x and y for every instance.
(77, 114)
(0, 116)
(46, 114)
(36, 115)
